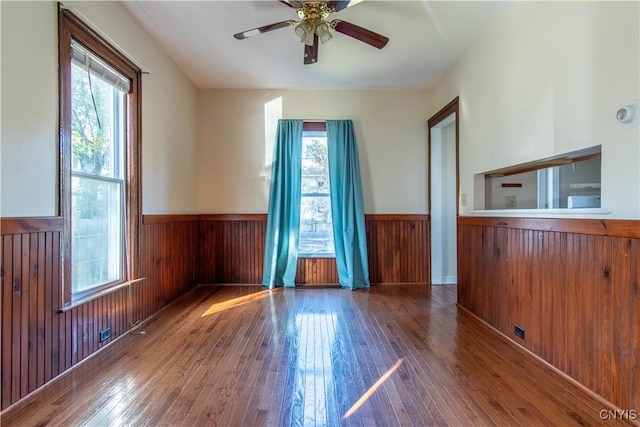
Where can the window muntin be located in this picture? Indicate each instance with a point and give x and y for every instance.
(316, 227)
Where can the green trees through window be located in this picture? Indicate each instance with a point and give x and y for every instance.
(316, 229)
(97, 181)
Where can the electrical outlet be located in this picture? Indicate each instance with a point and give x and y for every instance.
(518, 331)
(463, 199)
(510, 202)
(105, 334)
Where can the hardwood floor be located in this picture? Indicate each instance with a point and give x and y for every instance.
(396, 355)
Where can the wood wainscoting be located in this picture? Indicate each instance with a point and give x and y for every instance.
(39, 342)
(398, 248)
(169, 260)
(316, 271)
(571, 284)
(232, 250)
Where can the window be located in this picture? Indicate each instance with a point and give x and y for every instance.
(99, 161)
(316, 227)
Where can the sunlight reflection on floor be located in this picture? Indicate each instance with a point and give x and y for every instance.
(316, 334)
(237, 302)
(372, 389)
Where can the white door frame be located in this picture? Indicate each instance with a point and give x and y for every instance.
(447, 115)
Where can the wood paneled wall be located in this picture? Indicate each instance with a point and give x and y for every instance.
(232, 250)
(571, 284)
(398, 248)
(169, 263)
(33, 348)
(316, 271)
(38, 341)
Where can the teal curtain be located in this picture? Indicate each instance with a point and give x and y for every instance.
(347, 209)
(283, 218)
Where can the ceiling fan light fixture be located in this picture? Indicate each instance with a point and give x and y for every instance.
(315, 27)
(309, 40)
(322, 30)
(303, 30)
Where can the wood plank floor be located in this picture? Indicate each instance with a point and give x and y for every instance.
(396, 355)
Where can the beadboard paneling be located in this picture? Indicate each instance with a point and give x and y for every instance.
(571, 284)
(315, 271)
(39, 342)
(232, 250)
(170, 258)
(398, 248)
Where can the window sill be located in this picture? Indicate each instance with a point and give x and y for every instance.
(312, 256)
(79, 301)
(542, 213)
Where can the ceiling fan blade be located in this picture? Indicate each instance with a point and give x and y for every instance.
(339, 5)
(362, 34)
(292, 4)
(250, 33)
(311, 52)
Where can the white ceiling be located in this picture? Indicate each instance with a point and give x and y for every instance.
(426, 39)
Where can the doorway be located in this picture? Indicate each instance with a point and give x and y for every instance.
(443, 194)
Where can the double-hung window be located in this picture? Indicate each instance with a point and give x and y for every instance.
(99, 159)
(316, 228)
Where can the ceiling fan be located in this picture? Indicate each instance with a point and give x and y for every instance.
(314, 25)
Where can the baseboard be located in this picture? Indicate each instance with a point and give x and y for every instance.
(447, 280)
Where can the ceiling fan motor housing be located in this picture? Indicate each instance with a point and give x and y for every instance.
(314, 10)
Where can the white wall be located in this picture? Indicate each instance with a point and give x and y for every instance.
(526, 196)
(30, 117)
(233, 176)
(546, 79)
(449, 253)
(443, 202)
